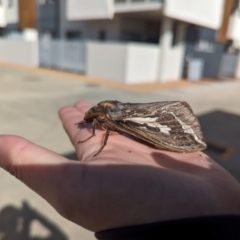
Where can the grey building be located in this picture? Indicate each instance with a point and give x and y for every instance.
(201, 44)
(48, 18)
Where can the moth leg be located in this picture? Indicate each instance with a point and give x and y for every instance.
(93, 132)
(81, 123)
(113, 133)
(104, 143)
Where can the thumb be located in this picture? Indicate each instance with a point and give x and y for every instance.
(44, 171)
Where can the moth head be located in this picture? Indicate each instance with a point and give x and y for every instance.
(92, 110)
(95, 112)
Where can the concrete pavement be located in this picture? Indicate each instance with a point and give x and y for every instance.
(29, 104)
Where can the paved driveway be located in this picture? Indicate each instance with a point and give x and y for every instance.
(29, 102)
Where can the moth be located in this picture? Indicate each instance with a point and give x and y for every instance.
(169, 125)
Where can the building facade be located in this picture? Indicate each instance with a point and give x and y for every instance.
(130, 40)
(9, 17)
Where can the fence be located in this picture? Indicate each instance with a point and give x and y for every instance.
(228, 65)
(19, 51)
(65, 55)
(128, 63)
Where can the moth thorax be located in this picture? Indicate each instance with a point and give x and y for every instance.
(113, 105)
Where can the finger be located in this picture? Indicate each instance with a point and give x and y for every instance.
(16, 153)
(82, 106)
(40, 169)
(15, 150)
(70, 117)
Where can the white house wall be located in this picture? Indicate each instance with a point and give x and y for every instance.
(12, 12)
(19, 52)
(3, 19)
(8, 13)
(171, 65)
(89, 29)
(171, 57)
(89, 10)
(142, 63)
(234, 26)
(106, 60)
(122, 62)
(207, 13)
(237, 75)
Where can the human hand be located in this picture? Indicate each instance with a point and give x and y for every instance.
(128, 183)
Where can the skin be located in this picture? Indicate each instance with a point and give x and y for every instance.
(128, 183)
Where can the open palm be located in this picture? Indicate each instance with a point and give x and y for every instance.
(128, 183)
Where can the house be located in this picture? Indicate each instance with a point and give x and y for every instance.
(8, 17)
(18, 38)
(143, 40)
(134, 41)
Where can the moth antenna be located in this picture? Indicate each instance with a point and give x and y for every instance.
(82, 122)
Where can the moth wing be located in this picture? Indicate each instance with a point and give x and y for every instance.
(166, 125)
(139, 109)
(181, 143)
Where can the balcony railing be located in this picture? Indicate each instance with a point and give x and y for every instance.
(136, 1)
(137, 5)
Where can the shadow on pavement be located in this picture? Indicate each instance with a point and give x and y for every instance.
(221, 131)
(16, 224)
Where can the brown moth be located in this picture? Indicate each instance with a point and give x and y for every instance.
(166, 125)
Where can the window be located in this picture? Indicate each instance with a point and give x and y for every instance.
(131, 36)
(175, 39)
(10, 3)
(102, 35)
(73, 35)
(204, 45)
(2, 31)
(48, 34)
(42, 2)
(120, 1)
(236, 6)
